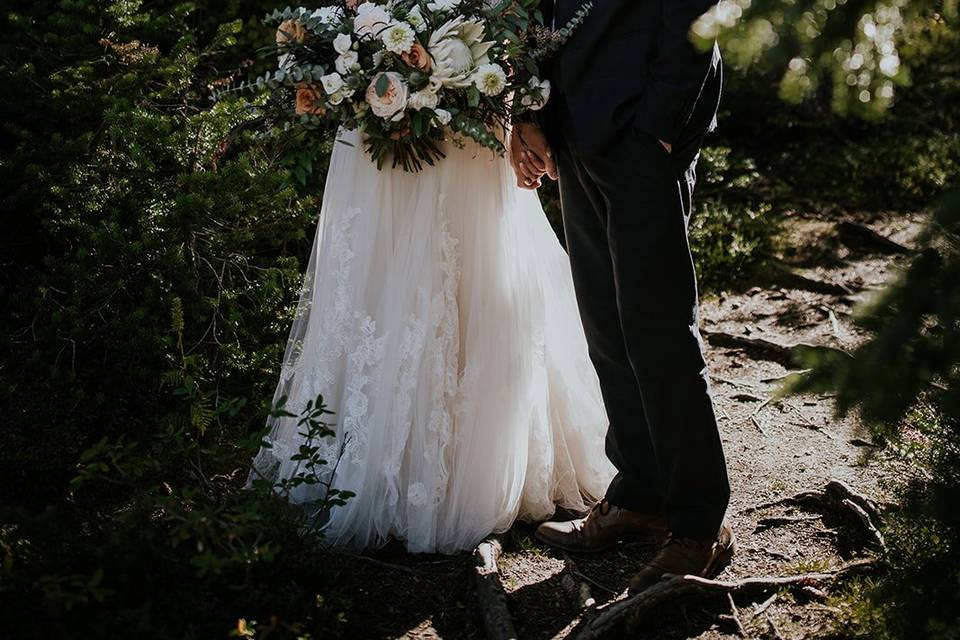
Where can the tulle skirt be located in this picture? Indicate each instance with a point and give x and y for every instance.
(438, 320)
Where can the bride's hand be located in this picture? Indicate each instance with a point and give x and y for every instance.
(531, 156)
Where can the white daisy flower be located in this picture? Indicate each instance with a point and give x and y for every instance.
(398, 38)
(491, 79)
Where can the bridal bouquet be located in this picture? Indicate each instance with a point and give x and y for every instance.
(406, 72)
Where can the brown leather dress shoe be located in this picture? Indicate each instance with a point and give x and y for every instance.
(602, 528)
(685, 556)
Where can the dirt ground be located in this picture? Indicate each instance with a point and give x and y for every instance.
(775, 448)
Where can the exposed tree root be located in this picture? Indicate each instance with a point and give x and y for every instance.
(774, 521)
(783, 275)
(497, 623)
(838, 496)
(633, 608)
(762, 349)
(858, 236)
(576, 587)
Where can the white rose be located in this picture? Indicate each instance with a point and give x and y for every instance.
(371, 20)
(393, 100)
(398, 38)
(443, 116)
(531, 100)
(332, 82)
(443, 5)
(491, 79)
(346, 61)
(415, 18)
(336, 98)
(342, 43)
(423, 99)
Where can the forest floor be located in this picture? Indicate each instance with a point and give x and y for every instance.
(775, 448)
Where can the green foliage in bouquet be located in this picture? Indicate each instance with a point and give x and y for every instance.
(409, 72)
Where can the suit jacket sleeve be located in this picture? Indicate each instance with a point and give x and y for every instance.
(677, 71)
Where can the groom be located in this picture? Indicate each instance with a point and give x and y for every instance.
(632, 102)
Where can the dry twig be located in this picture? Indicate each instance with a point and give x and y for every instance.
(735, 614)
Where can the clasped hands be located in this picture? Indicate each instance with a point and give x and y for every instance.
(532, 158)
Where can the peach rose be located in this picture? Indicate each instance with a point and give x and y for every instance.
(291, 31)
(393, 100)
(310, 101)
(418, 58)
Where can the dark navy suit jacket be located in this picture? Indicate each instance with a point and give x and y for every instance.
(631, 64)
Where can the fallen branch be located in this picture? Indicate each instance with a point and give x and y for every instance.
(807, 422)
(757, 424)
(834, 323)
(612, 615)
(497, 622)
(760, 608)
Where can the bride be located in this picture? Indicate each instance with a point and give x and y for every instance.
(437, 319)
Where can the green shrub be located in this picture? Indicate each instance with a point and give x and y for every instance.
(905, 381)
(129, 196)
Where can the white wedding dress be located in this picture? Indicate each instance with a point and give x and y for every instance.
(438, 321)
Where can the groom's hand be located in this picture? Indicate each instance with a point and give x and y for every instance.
(531, 156)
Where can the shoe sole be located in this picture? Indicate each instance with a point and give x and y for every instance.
(636, 539)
